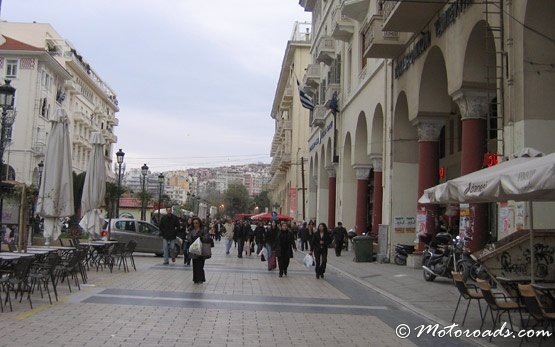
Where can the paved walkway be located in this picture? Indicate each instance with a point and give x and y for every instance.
(241, 304)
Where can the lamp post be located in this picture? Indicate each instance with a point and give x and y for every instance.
(40, 168)
(144, 172)
(160, 182)
(119, 156)
(7, 98)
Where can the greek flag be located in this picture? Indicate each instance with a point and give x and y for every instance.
(306, 101)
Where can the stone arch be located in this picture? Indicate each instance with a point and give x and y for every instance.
(433, 98)
(361, 141)
(347, 201)
(405, 149)
(376, 140)
(479, 55)
(539, 55)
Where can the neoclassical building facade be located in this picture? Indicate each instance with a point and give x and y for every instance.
(50, 73)
(427, 91)
(288, 171)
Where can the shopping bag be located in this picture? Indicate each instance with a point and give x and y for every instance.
(308, 261)
(196, 247)
(272, 262)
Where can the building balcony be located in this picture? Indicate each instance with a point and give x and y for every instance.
(342, 27)
(409, 15)
(285, 161)
(79, 140)
(308, 4)
(287, 125)
(325, 50)
(287, 98)
(71, 87)
(79, 117)
(332, 88)
(113, 121)
(382, 44)
(319, 116)
(311, 78)
(355, 9)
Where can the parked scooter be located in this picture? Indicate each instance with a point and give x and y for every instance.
(402, 252)
(441, 257)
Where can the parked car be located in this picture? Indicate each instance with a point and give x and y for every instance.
(145, 234)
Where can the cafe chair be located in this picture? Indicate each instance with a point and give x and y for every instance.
(42, 275)
(128, 252)
(498, 302)
(18, 282)
(467, 291)
(535, 309)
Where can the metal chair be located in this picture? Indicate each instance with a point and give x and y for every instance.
(467, 291)
(19, 280)
(503, 305)
(129, 250)
(534, 308)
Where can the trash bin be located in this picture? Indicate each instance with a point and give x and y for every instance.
(363, 248)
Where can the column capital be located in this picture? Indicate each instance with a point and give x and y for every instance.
(473, 104)
(362, 171)
(377, 164)
(331, 170)
(429, 128)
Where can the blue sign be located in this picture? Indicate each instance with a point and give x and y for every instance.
(274, 215)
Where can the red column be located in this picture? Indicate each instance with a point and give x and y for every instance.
(331, 201)
(377, 197)
(474, 107)
(428, 166)
(362, 173)
(472, 156)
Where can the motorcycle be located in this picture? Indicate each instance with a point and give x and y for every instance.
(442, 256)
(401, 253)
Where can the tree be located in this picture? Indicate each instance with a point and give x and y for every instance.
(262, 200)
(110, 198)
(236, 199)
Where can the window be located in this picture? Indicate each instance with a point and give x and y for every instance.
(46, 81)
(11, 68)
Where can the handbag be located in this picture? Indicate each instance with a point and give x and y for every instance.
(206, 250)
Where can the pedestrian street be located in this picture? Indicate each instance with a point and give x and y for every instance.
(241, 304)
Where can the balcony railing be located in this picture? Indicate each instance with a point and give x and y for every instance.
(331, 89)
(325, 51)
(409, 15)
(382, 44)
(342, 27)
(319, 116)
(312, 76)
(355, 9)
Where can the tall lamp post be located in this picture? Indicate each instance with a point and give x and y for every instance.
(144, 172)
(40, 168)
(119, 155)
(7, 98)
(160, 182)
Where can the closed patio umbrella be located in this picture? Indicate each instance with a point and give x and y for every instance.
(55, 198)
(94, 188)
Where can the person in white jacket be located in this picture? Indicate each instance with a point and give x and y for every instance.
(228, 234)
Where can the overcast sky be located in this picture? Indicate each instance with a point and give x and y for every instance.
(195, 79)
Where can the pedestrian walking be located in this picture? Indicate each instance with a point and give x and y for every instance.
(249, 238)
(339, 236)
(198, 260)
(270, 239)
(284, 246)
(320, 242)
(259, 237)
(229, 234)
(303, 236)
(240, 235)
(169, 227)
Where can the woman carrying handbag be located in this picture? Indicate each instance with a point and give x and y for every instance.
(198, 260)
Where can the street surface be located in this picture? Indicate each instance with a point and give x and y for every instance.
(241, 304)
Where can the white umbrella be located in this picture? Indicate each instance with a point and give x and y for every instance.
(55, 198)
(94, 188)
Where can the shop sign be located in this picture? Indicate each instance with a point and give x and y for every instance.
(465, 227)
(421, 217)
(321, 136)
(416, 51)
(402, 225)
(447, 18)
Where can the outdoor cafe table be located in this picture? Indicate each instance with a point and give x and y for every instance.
(15, 255)
(546, 294)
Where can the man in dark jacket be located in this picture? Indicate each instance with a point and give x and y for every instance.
(320, 242)
(169, 227)
(240, 235)
(339, 236)
(303, 235)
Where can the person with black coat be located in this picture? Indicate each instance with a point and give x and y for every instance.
(169, 227)
(303, 235)
(284, 246)
(259, 237)
(198, 260)
(339, 236)
(240, 238)
(320, 242)
(270, 238)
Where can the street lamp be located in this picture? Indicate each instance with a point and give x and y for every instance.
(144, 172)
(160, 182)
(119, 155)
(7, 97)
